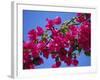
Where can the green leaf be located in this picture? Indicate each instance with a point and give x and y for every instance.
(87, 53)
(35, 61)
(64, 29)
(44, 37)
(79, 49)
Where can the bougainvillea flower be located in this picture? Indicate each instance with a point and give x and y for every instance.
(35, 51)
(74, 30)
(38, 61)
(83, 17)
(75, 62)
(88, 16)
(53, 46)
(57, 64)
(70, 38)
(26, 56)
(85, 37)
(40, 31)
(28, 45)
(41, 45)
(49, 24)
(28, 66)
(55, 32)
(46, 53)
(52, 22)
(57, 20)
(27, 62)
(53, 56)
(32, 34)
(68, 61)
(62, 56)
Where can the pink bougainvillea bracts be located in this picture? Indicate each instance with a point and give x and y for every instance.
(59, 42)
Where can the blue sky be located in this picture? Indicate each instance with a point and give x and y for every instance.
(32, 19)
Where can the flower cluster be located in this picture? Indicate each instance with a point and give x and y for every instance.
(59, 42)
